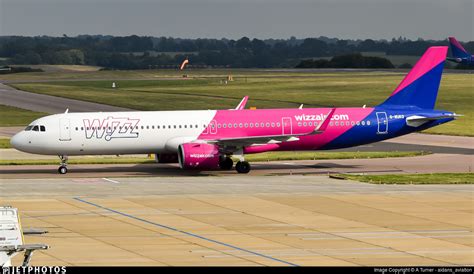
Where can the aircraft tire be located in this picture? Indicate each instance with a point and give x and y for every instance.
(226, 164)
(242, 167)
(62, 170)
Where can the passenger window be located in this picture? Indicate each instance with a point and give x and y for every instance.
(35, 128)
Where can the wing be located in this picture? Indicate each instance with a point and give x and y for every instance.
(239, 142)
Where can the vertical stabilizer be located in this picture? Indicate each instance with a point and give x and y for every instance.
(419, 88)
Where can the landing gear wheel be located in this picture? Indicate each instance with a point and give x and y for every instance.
(226, 164)
(62, 170)
(242, 167)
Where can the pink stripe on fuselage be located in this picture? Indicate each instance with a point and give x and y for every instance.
(282, 121)
(432, 57)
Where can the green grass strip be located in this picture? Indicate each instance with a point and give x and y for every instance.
(263, 157)
(418, 179)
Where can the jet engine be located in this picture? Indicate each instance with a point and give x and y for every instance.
(198, 156)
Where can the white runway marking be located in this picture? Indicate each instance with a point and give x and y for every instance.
(112, 181)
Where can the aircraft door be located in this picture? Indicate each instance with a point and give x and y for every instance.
(286, 126)
(213, 127)
(64, 130)
(382, 123)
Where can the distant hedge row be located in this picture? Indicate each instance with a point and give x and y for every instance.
(142, 52)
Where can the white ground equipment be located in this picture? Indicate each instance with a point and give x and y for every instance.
(11, 238)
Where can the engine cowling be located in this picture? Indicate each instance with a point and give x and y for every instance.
(198, 156)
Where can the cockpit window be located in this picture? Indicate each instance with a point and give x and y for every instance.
(42, 128)
(28, 128)
(35, 128)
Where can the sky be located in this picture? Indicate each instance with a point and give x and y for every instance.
(233, 19)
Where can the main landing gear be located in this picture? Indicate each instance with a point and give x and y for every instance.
(242, 167)
(226, 163)
(63, 166)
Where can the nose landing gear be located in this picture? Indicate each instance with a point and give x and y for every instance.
(63, 166)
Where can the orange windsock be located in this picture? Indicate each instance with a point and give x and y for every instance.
(185, 62)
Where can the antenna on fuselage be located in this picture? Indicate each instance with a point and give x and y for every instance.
(364, 106)
(301, 106)
(67, 110)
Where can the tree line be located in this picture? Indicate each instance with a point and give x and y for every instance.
(142, 52)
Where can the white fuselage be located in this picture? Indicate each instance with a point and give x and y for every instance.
(113, 132)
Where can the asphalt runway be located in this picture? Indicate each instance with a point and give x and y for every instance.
(48, 104)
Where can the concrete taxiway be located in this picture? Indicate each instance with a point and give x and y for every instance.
(239, 220)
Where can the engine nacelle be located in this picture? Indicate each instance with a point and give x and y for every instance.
(198, 156)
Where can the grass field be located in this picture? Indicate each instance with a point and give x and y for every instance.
(5, 143)
(11, 116)
(267, 89)
(431, 178)
(268, 156)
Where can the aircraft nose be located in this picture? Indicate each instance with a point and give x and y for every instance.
(18, 141)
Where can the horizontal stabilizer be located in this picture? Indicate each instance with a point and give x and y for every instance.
(418, 120)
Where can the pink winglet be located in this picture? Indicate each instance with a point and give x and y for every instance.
(322, 127)
(242, 103)
(432, 57)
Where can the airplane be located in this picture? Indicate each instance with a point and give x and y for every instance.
(206, 139)
(460, 55)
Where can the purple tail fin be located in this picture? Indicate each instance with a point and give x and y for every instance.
(419, 88)
(457, 49)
